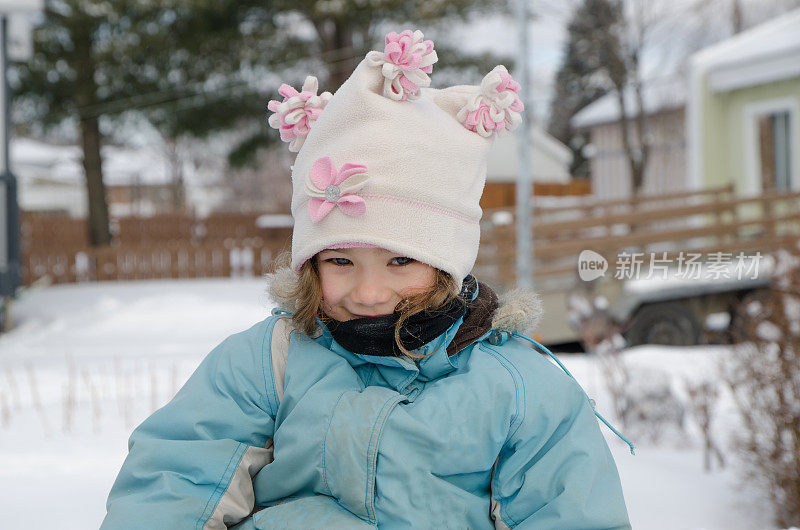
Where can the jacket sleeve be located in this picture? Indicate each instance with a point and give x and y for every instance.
(191, 463)
(555, 471)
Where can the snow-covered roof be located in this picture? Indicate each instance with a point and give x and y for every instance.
(664, 95)
(143, 166)
(32, 152)
(63, 163)
(766, 53)
(550, 159)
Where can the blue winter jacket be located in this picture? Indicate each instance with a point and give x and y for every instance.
(495, 436)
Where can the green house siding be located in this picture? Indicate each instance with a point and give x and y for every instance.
(712, 146)
(723, 139)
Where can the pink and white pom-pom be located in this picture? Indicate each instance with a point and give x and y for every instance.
(298, 111)
(405, 64)
(495, 106)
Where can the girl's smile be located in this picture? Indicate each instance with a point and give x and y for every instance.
(368, 282)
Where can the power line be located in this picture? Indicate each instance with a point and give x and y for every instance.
(138, 101)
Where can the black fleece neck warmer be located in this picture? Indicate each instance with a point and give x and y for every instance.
(375, 335)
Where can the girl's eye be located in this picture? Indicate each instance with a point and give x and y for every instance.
(339, 261)
(403, 260)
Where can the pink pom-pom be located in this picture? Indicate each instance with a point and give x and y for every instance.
(495, 106)
(296, 114)
(405, 63)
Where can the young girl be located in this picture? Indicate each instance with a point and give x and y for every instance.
(389, 390)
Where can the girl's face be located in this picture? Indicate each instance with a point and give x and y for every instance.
(367, 282)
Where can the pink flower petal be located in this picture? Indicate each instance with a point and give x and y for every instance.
(405, 63)
(319, 208)
(349, 170)
(393, 52)
(301, 128)
(507, 83)
(287, 91)
(323, 173)
(408, 86)
(352, 205)
(297, 111)
(495, 106)
(314, 112)
(413, 61)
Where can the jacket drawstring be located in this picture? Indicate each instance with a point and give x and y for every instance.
(591, 401)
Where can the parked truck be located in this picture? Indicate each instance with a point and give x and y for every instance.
(726, 239)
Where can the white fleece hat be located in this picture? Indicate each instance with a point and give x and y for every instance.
(385, 162)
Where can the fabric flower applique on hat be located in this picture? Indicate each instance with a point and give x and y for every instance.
(495, 106)
(405, 64)
(298, 111)
(329, 188)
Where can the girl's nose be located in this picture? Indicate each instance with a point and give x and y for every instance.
(371, 291)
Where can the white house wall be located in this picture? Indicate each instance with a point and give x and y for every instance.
(61, 197)
(550, 159)
(666, 168)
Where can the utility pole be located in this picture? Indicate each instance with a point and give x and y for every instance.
(10, 260)
(9, 221)
(524, 179)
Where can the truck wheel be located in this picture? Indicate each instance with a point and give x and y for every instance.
(669, 323)
(741, 324)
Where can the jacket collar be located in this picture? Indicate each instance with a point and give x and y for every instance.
(400, 371)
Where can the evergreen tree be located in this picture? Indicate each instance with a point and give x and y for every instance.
(194, 67)
(73, 70)
(591, 68)
(174, 61)
(290, 37)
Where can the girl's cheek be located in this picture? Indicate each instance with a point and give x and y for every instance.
(326, 308)
(331, 293)
(327, 299)
(333, 312)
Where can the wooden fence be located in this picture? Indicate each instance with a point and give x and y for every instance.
(229, 258)
(40, 231)
(169, 246)
(504, 194)
(224, 245)
(662, 227)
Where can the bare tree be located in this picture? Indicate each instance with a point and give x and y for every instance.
(175, 158)
(653, 35)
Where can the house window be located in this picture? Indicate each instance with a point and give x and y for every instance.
(774, 141)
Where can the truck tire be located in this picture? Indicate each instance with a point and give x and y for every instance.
(668, 323)
(741, 324)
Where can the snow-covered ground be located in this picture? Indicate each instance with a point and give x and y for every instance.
(86, 363)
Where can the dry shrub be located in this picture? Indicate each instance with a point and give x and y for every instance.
(764, 376)
(703, 398)
(643, 399)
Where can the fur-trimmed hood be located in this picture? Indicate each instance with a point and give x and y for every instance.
(520, 311)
